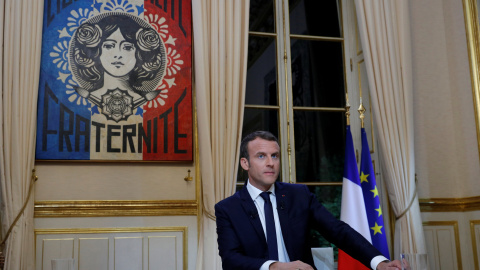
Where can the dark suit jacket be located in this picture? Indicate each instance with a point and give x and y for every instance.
(242, 243)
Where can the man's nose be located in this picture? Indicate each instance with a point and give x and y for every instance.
(270, 161)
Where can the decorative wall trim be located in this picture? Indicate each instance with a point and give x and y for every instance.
(183, 230)
(473, 223)
(450, 204)
(115, 208)
(454, 224)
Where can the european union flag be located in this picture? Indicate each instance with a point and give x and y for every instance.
(372, 200)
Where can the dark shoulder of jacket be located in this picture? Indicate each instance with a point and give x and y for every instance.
(297, 187)
(230, 199)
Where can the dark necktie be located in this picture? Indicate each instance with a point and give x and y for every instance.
(270, 226)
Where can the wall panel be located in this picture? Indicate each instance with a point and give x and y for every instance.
(114, 248)
(443, 245)
(128, 252)
(475, 234)
(93, 253)
(55, 248)
(162, 252)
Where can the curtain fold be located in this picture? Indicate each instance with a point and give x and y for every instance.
(21, 33)
(384, 27)
(220, 54)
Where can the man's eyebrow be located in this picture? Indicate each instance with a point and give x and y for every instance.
(263, 153)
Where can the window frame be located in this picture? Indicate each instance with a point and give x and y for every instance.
(352, 64)
(352, 54)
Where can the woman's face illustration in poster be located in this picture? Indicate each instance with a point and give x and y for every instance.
(117, 55)
(117, 51)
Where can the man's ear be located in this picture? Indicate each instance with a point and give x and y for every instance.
(244, 163)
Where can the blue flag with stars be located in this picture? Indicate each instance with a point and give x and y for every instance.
(372, 199)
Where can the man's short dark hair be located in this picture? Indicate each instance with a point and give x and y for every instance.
(266, 135)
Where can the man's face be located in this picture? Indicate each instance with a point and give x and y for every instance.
(264, 164)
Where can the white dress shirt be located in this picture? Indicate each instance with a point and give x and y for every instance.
(259, 203)
(282, 251)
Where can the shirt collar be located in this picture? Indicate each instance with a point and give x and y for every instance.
(255, 192)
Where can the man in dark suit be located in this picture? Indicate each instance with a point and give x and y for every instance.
(266, 224)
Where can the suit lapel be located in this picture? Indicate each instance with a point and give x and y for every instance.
(283, 204)
(251, 211)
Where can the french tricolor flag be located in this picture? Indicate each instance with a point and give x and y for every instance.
(353, 210)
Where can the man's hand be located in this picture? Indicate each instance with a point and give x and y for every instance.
(393, 265)
(296, 265)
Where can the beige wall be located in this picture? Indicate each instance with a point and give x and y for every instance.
(446, 147)
(446, 152)
(100, 183)
(110, 181)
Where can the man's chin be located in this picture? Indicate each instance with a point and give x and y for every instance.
(271, 179)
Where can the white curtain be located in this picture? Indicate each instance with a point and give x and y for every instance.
(221, 42)
(21, 33)
(384, 27)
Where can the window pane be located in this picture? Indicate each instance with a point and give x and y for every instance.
(260, 119)
(330, 197)
(261, 71)
(314, 17)
(317, 74)
(319, 146)
(261, 16)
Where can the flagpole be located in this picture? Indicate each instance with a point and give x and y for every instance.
(370, 192)
(361, 110)
(347, 110)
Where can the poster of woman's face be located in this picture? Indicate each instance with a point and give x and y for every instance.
(123, 50)
(123, 90)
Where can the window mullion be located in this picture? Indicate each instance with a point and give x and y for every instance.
(352, 83)
(284, 90)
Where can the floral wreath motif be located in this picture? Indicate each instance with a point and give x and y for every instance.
(77, 18)
(87, 66)
(117, 105)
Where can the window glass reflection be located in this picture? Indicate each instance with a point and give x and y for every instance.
(314, 17)
(317, 74)
(261, 72)
(260, 119)
(319, 146)
(262, 16)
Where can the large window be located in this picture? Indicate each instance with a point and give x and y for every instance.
(296, 86)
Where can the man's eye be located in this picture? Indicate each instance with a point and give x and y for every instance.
(261, 156)
(275, 156)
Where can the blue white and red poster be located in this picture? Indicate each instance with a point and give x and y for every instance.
(115, 81)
